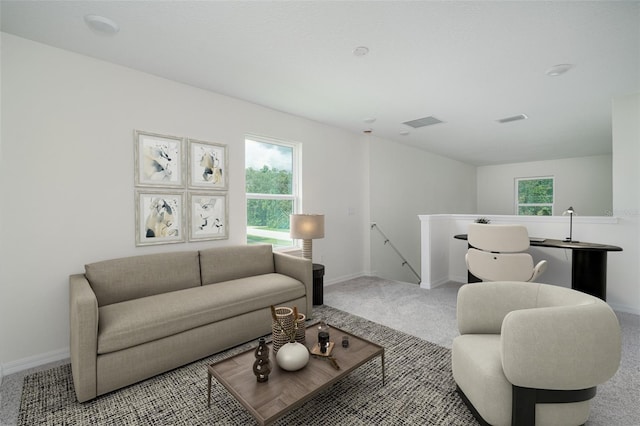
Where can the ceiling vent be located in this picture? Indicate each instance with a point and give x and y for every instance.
(513, 118)
(422, 122)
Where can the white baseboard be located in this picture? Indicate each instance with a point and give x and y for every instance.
(345, 278)
(624, 308)
(33, 361)
(458, 278)
(435, 283)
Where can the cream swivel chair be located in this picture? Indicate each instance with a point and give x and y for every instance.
(532, 354)
(495, 253)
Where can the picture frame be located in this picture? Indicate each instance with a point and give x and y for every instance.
(208, 216)
(208, 165)
(158, 160)
(160, 217)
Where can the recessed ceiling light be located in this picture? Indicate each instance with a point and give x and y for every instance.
(404, 133)
(360, 51)
(369, 120)
(513, 118)
(559, 69)
(101, 24)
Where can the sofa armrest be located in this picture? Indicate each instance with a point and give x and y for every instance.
(83, 325)
(481, 307)
(300, 269)
(562, 347)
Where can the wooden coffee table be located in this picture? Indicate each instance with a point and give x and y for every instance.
(286, 390)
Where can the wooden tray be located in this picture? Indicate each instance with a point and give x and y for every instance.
(315, 350)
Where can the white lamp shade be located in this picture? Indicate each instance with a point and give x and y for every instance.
(307, 226)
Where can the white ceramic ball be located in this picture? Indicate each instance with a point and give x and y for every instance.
(292, 356)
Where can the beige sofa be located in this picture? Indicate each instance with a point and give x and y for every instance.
(532, 354)
(135, 317)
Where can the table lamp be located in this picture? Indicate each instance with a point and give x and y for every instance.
(570, 211)
(306, 227)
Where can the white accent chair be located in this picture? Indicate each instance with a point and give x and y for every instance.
(495, 253)
(532, 354)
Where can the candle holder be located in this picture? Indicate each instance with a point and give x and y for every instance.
(323, 337)
(345, 341)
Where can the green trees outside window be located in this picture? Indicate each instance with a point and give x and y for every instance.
(270, 174)
(534, 196)
(269, 213)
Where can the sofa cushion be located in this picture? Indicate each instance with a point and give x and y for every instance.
(129, 278)
(137, 321)
(231, 263)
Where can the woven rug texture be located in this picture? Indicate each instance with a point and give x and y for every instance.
(419, 390)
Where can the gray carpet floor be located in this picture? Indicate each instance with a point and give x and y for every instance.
(418, 390)
(430, 315)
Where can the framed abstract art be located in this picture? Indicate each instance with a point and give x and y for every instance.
(160, 217)
(207, 165)
(158, 160)
(208, 216)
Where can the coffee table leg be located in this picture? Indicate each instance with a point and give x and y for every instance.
(209, 392)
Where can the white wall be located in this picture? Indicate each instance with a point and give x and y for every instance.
(443, 257)
(626, 156)
(67, 180)
(626, 195)
(405, 182)
(66, 184)
(584, 183)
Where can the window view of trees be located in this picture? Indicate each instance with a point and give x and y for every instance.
(271, 191)
(269, 213)
(535, 196)
(268, 181)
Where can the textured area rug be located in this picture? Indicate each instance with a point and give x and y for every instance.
(419, 390)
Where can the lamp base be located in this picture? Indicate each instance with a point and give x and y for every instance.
(306, 249)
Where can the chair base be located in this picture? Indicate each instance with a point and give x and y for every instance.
(524, 400)
(471, 408)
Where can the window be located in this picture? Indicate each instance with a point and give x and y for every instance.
(534, 196)
(271, 172)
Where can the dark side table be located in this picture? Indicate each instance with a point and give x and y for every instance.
(318, 283)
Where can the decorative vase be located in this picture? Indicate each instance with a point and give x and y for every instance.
(281, 327)
(292, 356)
(300, 329)
(262, 366)
(262, 351)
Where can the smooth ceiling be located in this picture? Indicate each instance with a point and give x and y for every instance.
(465, 63)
